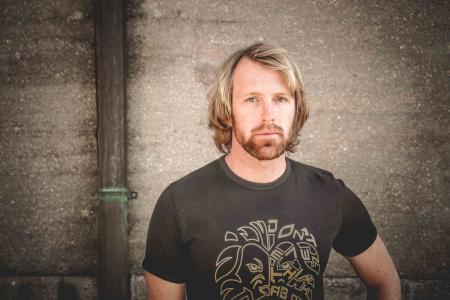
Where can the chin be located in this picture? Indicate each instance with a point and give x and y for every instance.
(267, 152)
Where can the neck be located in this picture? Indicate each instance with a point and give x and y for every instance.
(250, 168)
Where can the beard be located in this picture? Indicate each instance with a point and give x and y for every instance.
(260, 147)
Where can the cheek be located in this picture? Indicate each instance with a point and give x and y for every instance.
(287, 117)
(245, 118)
(244, 125)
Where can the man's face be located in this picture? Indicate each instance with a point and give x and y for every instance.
(263, 110)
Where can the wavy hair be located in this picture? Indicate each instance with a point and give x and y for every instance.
(220, 94)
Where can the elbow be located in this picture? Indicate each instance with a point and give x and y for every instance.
(388, 289)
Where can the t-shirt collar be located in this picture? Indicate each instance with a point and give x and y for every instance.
(255, 185)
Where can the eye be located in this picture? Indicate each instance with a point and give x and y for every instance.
(281, 99)
(251, 99)
(255, 267)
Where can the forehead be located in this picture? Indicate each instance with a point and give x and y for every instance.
(252, 76)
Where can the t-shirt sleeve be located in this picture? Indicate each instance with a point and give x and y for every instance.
(164, 252)
(357, 232)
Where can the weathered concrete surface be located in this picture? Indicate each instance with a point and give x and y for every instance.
(79, 287)
(376, 77)
(47, 138)
(430, 289)
(138, 288)
(48, 288)
(29, 288)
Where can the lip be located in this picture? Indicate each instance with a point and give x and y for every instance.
(266, 133)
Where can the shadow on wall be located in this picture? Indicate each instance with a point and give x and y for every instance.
(67, 291)
(29, 291)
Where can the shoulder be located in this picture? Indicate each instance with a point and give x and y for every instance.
(312, 173)
(198, 179)
(317, 179)
(195, 191)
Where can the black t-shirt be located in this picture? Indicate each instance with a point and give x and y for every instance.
(229, 238)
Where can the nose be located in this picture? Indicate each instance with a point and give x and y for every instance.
(268, 111)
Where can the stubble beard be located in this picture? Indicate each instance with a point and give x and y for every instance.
(263, 148)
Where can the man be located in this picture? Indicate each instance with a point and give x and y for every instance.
(255, 224)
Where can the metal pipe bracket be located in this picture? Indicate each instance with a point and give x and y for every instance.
(116, 194)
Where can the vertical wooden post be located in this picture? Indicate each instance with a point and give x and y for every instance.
(113, 280)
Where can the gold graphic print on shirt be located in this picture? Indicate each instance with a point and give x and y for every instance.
(265, 259)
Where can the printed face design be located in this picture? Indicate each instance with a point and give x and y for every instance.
(262, 261)
(255, 263)
(263, 110)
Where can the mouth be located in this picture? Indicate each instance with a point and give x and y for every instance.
(267, 133)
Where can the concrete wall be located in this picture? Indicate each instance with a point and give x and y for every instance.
(376, 77)
(48, 223)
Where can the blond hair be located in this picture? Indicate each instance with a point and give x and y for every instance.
(220, 94)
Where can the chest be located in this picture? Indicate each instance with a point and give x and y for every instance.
(262, 241)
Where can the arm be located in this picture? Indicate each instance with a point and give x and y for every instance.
(375, 268)
(160, 289)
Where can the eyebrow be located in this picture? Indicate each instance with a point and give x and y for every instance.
(259, 94)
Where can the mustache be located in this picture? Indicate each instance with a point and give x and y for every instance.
(268, 127)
